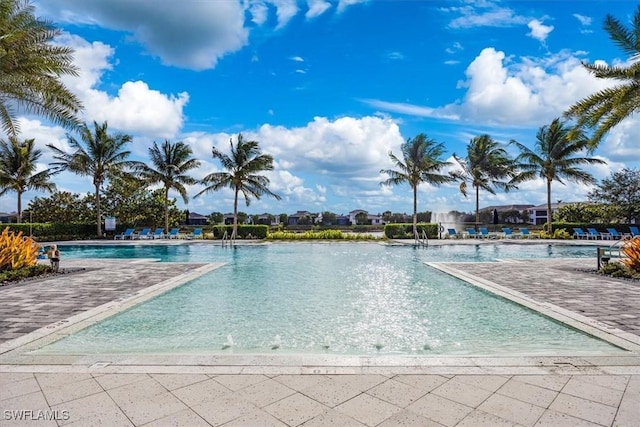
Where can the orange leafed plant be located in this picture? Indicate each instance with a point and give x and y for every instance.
(631, 249)
(17, 251)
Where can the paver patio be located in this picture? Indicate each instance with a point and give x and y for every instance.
(539, 391)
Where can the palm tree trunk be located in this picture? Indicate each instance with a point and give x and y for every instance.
(235, 215)
(98, 213)
(477, 208)
(166, 210)
(19, 218)
(549, 219)
(415, 211)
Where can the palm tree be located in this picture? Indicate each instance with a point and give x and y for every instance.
(243, 166)
(171, 163)
(31, 68)
(487, 166)
(605, 109)
(421, 161)
(18, 163)
(552, 158)
(102, 157)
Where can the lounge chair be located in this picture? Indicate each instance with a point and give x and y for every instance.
(508, 234)
(174, 233)
(127, 234)
(579, 233)
(453, 233)
(144, 234)
(527, 234)
(472, 233)
(158, 234)
(592, 232)
(614, 233)
(484, 232)
(197, 234)
(634, 231)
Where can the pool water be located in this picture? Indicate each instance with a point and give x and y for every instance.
(216, 253)
(351, 298)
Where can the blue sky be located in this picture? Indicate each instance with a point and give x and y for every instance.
(330, 87)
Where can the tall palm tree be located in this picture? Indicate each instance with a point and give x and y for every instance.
(487, 166)
(243, 166)
(171, 162)
(553, 158)
(605, 109)
(421, 161)
(103, 156)
(18, 163)
(31, 68)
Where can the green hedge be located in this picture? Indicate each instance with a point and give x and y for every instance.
(256, 231)
(405, 231)
(319, 235)
(54, 231)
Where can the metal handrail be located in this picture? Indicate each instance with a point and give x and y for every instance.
(421, 240)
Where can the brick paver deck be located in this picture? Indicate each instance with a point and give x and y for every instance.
(472, 393)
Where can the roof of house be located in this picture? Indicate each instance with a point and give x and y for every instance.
(194, 215)
(558, 205)
(501, 208)
(300, 214)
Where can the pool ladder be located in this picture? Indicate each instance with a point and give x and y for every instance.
(613, 251)
(421, 239)
(228, 241)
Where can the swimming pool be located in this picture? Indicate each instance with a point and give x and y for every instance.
(328, 298)
(215, 253)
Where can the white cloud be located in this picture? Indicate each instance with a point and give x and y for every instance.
(194, 37)
(285, 10)
(584, 20)
(259, 13)
(297, 58)
(621, 143)
(343, 4)
(300, 71)
(484, 14)
(455, 47)
(451, 62)
(539, 31)
(316, 8)
(135, 108)
(395, 56)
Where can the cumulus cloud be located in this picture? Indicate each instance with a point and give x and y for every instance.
(194, 37)
(539, 31)
(343, 4)
(584, 20)
(316, 8)
(285, 10)
(135, 108)
(297, 58)
(484, 14)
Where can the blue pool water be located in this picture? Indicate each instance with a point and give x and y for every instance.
(358, 298)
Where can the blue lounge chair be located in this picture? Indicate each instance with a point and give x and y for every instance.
(158, 234)
(144, 234)
(614, 233)
(127, 234)
(595, 234)
(472, 233)
(526, 233)
(174, 233)
(452, 233)
(634, 231)
(484, 232)
(579, 233)
(197, 234)
(508, 234)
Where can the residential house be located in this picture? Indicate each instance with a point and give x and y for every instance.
(294, 219)
(8, 217)
(538, 214)
(501, 209)
(343, 220)
(371, 219)
(268, 219)
(197, 219)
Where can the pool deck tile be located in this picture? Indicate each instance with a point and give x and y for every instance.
(385, 391)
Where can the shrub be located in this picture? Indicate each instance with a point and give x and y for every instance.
(631, 249)
(17, 251)
(244, 231)
(53, 231)
(559, 233)
(619, 270)
(23, 273)
(405, 231)
(319, 235)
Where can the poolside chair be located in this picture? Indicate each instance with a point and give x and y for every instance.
(174, 233)
(472, 233)
(592, 232)
(614, 233)
(197, 234)
(578, 233)
(484, 232)
(527, 234)
(127, 234)
(634, 231)
(508, 234)
(452, 233)
(144, 234)
(158, 234)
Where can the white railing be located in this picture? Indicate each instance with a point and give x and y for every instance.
(421, 239)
